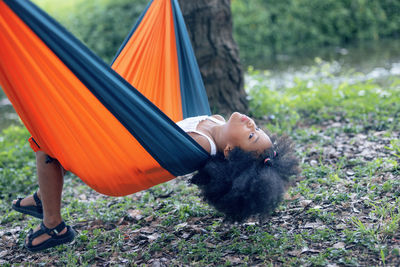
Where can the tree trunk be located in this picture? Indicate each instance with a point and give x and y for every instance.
(209, 23)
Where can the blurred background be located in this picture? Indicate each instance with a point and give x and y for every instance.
(281, 39)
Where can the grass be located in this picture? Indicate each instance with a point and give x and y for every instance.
(366, 104)
(343, 210)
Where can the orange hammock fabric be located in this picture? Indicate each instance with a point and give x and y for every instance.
(143, 63)
(107, 157)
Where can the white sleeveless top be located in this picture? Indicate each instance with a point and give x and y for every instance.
(189, 125)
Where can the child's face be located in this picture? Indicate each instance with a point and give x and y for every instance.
(241, 131)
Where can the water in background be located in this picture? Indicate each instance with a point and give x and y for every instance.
(374, 60)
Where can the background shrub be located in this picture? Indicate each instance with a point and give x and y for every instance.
(265, 28)
(262, 28)
(101, 24)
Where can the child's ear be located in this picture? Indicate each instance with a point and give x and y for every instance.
(227, 150)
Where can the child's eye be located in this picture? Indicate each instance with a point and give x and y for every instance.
(251, 135)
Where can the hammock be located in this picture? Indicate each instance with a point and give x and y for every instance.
(90, 116)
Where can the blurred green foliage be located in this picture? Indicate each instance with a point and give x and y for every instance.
(265, 28)
(17, 173)
(101, 24)
(262, 28)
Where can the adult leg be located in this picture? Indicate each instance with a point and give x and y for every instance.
(51, 179)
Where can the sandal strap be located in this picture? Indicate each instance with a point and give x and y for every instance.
(32, 235)
(44, 230)
(53, 231)
(18, 203)
(37, 200)
(59, 227)
(39, 206)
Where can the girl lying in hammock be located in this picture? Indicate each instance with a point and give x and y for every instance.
(246, 175)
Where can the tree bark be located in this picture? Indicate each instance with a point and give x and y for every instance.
(209, 23)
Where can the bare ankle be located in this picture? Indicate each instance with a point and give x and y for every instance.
(52, 222)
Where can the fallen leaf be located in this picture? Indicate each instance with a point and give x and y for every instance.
(339, 245)
(233, 260)
(181, 225)
(135, 214)
(341, 226)
(153, 237)
(294, 253)
(146, 230)
(305, 203)
(306, 250)
(314, 226)
(149, 218)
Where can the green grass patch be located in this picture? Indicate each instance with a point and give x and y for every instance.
(343, 210)
(367, 103)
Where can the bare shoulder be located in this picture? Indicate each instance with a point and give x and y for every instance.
(218, 117)
(201, 140)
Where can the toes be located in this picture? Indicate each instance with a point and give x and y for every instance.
(42, 238)
(39, 239)
(27, 201)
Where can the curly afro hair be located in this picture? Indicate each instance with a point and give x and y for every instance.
(243, 185)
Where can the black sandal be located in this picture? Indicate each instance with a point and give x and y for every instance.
(35, 211)
(54, 239)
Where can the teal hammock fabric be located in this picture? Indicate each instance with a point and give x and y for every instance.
(172, 148)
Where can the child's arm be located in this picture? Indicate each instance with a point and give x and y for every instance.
(202, 141)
